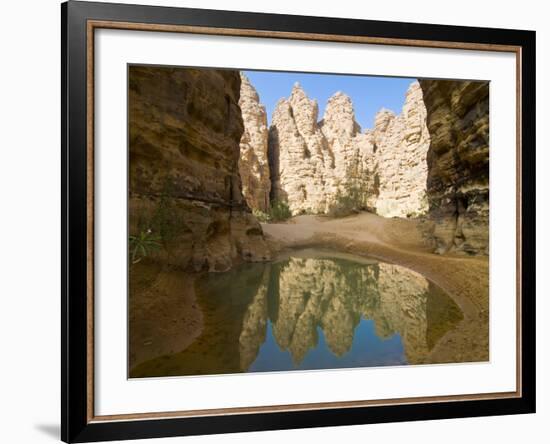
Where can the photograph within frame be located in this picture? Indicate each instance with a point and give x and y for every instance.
(80, 421)
(248, 228)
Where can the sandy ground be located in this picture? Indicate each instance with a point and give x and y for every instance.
(400, 241)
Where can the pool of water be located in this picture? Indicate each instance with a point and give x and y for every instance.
(312, 309)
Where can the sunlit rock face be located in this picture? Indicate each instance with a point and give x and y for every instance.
(401, 146)
(253, 160)
(311, 161)
(185, 126)
(314, 163)
(458, 163)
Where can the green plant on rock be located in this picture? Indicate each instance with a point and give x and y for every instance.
(142, 245)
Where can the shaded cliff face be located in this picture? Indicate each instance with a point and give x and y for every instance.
(316, 165)
(253, 161)
(184, 131)
(458, 163)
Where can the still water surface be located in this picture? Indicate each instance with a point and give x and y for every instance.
(311, 310)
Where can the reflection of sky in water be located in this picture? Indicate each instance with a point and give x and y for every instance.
(367, 350)
(309, 311)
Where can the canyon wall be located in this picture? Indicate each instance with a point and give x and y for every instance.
(185, 126)
(253, 161)
(400, 149)
(317, 165)
(458, 164)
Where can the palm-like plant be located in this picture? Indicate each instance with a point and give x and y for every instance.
(143, 244)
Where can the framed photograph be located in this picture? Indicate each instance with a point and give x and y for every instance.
(275, 221)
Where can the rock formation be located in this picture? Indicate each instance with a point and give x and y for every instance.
(314, 165)
(400, 148)
(312, 162)
(253, 161)
(458, 163)
(185, 126)
(299, 155)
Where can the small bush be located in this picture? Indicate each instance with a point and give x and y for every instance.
(345, 203)
(279, 211)
(261, 216)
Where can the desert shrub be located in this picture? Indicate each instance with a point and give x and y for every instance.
(261, 216)
(346, 202)
(279, 211)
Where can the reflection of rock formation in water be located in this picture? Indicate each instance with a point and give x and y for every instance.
(317, 293)
(226, 303)
(254, 324)
(402, 309)
(301, 297)
(333, 295)
(163, 317)
(184, 131)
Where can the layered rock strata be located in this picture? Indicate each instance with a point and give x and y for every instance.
(458, 164)
(253, 161)
(185, 126)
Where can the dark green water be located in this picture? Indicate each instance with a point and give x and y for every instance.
(311, 310)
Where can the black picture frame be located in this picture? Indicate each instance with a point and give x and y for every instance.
(76, 424)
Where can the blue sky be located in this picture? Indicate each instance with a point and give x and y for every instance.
(369, 94)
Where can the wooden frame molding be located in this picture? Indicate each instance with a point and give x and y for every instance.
(92, 25)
